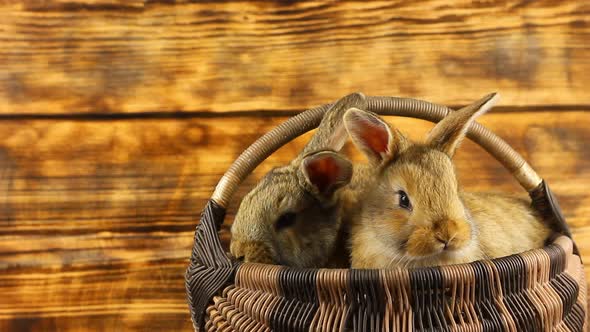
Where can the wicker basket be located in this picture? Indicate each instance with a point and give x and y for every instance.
(539, 290)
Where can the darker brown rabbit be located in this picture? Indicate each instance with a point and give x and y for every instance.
(294, 216)
(414, 213)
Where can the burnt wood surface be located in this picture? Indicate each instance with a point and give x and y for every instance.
(113, 56)
(117, 118)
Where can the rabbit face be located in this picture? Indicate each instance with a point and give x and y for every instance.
(416, 210)
(293, 216)
(413, 214)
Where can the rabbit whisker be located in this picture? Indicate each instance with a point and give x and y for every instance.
(393, 260)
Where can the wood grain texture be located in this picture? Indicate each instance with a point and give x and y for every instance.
(124, 296)
(112, 56)
(99, 215)
(117, 118)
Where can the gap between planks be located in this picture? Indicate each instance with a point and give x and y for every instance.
(245, 113)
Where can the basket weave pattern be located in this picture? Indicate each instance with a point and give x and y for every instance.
(498, 295)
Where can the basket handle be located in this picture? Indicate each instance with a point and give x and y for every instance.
(406, 107)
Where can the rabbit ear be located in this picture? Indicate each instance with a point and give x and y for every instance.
(450, 131)
(326, 171)
(373, 136)
(331, 134)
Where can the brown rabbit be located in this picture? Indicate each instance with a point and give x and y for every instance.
(413, 213)
(294, 215)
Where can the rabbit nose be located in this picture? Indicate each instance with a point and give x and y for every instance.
(444, 242)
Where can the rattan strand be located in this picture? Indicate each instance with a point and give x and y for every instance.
(310, 119)
(397, 306)
(332, 308)
(582, 293)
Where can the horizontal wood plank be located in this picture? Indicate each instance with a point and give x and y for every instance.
(117, 297)
(110, 56)
(99, 215)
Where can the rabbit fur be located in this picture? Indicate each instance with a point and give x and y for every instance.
(295, 215)
(415, 214)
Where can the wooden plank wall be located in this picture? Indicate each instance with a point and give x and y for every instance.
(118, 117)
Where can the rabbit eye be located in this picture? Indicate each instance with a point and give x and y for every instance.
(285, 220)
(404, 200)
